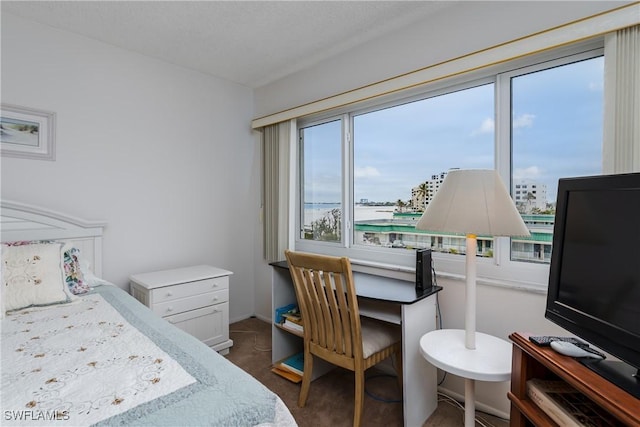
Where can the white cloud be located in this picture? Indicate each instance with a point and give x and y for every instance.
(523, 121)
(366, 172)
(532, 172)
(487, 126)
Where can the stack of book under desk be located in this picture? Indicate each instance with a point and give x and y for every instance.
(293, 322)
(290, 368)
(288, 318)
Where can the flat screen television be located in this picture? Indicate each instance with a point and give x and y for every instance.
(594, 276)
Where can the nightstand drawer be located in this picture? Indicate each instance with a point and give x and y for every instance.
(184, 290)
(176, 306)
(208, 324)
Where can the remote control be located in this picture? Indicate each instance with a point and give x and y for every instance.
(545, 340)
(569, 349)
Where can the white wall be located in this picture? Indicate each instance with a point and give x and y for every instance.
(457, 30)
(163, 154)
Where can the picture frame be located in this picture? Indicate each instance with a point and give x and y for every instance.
(27, 133)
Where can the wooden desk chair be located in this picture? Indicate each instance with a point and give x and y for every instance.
(333, 329)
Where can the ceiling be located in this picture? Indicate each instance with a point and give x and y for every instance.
(251, 43)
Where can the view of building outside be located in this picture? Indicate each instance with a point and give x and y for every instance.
(557, 130)
(402, 154)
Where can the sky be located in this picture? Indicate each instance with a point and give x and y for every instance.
(556, 132)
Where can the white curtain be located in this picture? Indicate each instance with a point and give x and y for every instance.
(276, 142)
(622, 101)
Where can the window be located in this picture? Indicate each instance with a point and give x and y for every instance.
(401, 156)
(556, 132)
(382, 164)
(320, 148)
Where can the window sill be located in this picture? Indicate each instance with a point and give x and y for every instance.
(408, 274)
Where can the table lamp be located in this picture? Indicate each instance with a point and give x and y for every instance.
(471, 202)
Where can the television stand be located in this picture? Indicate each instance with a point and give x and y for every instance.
(619, 373)
(530, 361)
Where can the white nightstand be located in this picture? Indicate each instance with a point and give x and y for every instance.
(195, 299)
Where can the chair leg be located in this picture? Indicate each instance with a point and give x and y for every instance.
(306, 379)
(359, 398)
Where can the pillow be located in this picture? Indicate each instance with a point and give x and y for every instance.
(83, 267)
(74, 277)
(33, 276)
(78, 277)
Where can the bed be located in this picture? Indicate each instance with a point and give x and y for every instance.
(81, 351)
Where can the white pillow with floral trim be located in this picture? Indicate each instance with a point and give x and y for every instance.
(33, 276)
(74, 277)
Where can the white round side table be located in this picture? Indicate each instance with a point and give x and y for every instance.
(489, 361)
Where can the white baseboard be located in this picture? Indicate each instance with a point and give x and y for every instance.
(263, 318)
(238, 319)
(479, 405)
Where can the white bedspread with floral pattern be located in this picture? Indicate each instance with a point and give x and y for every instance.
(84, 363)
(107, 360)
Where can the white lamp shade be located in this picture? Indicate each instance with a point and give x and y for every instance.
(473, 201)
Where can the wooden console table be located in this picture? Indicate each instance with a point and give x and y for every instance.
(531, 361)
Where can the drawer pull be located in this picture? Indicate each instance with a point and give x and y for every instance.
(169, 294)
(169, 308)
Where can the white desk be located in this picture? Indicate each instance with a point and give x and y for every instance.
(391, 300)
(489, 361)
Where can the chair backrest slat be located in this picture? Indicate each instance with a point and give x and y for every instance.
(322, 306)
(346, 312)
(334, 318)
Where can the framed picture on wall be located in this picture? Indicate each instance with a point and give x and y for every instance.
(27, 133)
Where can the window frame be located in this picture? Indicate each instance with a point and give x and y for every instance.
(499, 270)
(300, 199)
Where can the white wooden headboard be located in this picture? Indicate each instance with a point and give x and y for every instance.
(19, 221)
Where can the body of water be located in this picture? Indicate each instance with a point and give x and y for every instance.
(315, 211)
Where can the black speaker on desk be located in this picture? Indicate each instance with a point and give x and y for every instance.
(423, 269)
